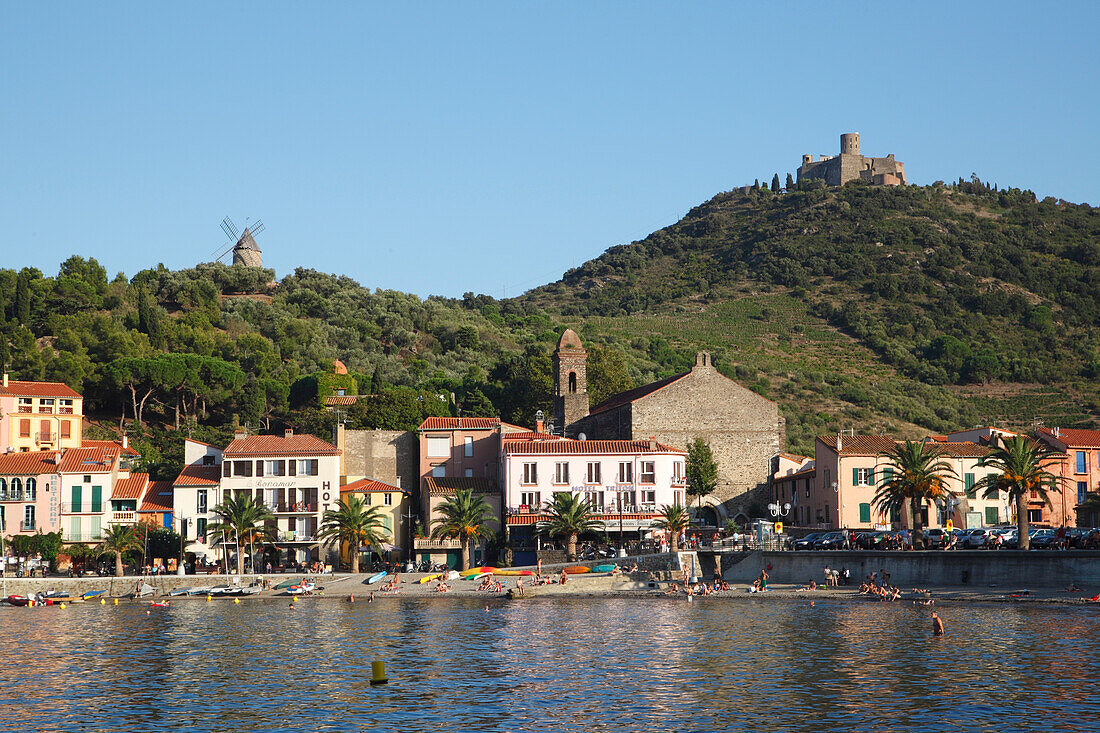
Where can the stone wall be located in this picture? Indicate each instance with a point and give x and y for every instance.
(1009, 569)
(389, 456)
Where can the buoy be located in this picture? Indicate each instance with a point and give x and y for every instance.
(378, 672)
(209, 598)
(62, 605)
(236, 600)
(116, 601)
(351, 599)
(103, 601)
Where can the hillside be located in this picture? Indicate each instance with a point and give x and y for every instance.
(905, 310)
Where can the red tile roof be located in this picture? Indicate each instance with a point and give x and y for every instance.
(575, 447)
(860, 445)
(158, 497)
(637, 393)
(28, 463)
(130, 488)
(794, 457)
(117, 445)
(800, 473)
(1072, 437)
(531, 435)
(341, 400)
(88, 460)
(195, 475)
(444, 485)
(459, 423)
(39, 389)
(366, 485)
(277, 445)
(963, 449)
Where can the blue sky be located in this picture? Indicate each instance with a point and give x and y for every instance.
(439, 148)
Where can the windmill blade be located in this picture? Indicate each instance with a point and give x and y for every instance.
(224, 250)
(230, 229)
(256, 228)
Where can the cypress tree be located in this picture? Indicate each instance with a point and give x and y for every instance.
(790, 182)
(775, 183)
(23, 297)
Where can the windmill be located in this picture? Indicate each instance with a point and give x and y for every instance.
(243, 245)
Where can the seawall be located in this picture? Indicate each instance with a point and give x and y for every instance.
(929, 568)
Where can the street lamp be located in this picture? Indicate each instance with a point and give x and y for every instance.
(778, 510)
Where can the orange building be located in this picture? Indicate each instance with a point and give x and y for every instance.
(39, 416)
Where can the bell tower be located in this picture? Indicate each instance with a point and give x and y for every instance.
(570, 382)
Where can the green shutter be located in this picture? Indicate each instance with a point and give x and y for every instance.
(871, 476)
(888, 473)
(97, 498)
(969, 481)
(76, 499)
(991, 515)
(865, 513)
(855, 477)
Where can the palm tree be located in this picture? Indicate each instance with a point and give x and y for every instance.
(918, 475)
(570, 516)
(352, 522)
(244, 518)
(119, 538)
(674, 519)
(464, 519)
(1021, 463)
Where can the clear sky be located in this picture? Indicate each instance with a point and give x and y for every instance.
(446, 147)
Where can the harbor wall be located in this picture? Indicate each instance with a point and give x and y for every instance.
(980, 568)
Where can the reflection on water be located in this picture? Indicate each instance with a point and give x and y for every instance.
(553, 665)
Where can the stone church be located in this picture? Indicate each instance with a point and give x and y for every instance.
(745, 430)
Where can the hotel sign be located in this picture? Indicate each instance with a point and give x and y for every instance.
(276, 483)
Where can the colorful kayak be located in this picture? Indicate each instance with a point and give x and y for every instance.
(376, 577)
(603, 568)
(576, 570)
(515, 572)
(479, 576)
(478, 571)
(430, 578)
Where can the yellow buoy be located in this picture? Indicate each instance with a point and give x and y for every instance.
(62, 605)
(209, 598)
(103, 601)
(236, 600)
(116, 601)
(378, 672)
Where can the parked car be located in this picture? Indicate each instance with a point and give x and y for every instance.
(935, 538)
(831, 541)
(1043, 539)
(861, 539)
(1075, 537)
(807, 542)
(973, 539)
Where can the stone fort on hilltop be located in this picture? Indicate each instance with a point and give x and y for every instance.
(852, 165)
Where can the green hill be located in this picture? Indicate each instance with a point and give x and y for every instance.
(897, 309)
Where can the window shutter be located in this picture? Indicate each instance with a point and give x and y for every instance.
(76, 499)
(888, 473)
(97, 498)
(855, 477)
(293, 466)
(259, 469)
(865, 513)
(871, 476)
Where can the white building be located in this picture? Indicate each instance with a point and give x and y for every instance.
(296, 476)
(626, 481)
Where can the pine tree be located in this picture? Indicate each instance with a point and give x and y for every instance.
(775, 183)
(23, 297)
(790, 182)
(149, 320)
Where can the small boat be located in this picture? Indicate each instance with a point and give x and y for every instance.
(515, 572)
(179, 592)
(430, 578)
(286, 584)
(199, 591)
(18, 600)
(249, 590)
(57, 594)
(479, 576)
(576, 570)
(478, 571)
(303, 587)
(376, 578)
(453, 575)
(221, 590)
(143, 590)
(92, 594)
(159, 604)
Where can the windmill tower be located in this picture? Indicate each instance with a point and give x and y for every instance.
(243, 245)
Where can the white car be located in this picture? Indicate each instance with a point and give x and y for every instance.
(973, 539)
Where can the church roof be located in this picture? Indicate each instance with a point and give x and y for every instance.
(570, 341)
(637, 393)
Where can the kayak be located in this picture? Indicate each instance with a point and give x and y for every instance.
(430, 578)
(603, 568)
(515, 572)
(376, 577)
(453, 575)
(478, 571)
(18, 600)
(479, 576)
(159, 604)
(576, 570)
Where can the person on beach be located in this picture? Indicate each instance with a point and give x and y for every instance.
(828, 577)
(763, 579)
(937, 625)
(564, 577)
(538, 567)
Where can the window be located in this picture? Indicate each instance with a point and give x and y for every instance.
(530, 499)
(968, 481)
(242, 468)
(1034, 515)
(387, 499)
(66, 429)
(31, 489)
(649, 496)
(593, 475)
(677, 472)
(468, 446)
(626, 473)
(439, 471)
(3, 493)
(561, 473)
(208, 460)
(572, 382)
(227, 468)
(1082, 490)
(530, 473)
(307, 467)
(1082, 465)
(865, 513)
(439, 446)
(24, 428)
(594, 499)
(200, 528)
(200, 501)
(649, 473)
(16, 490)
(862, 477)
(807, 483)
(469, 473)
(992, 516)
(678, 498)
(274, 468)
(828, 481)
(28, 517)
(627, 500)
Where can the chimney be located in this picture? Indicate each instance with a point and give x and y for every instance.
(5, 379)
(839, 443)
(240, 433)
(288, 433)
(125, 441)
(652, 443)
(540, 426)
(1057, 432)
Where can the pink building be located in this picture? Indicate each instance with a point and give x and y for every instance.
(29, 499)
(1079, 469)
(39, 415)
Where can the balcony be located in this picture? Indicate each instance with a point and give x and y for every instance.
(45, 410)
(426, 543)
(82, 508)
(26, 526)
(84, 537)
(299, 507)
(295, 536)
(64, 411)
(124, 517)
(25, 409)
(13, 496)
(42, 438)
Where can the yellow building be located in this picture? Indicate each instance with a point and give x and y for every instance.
(392, 503)
(39, 416)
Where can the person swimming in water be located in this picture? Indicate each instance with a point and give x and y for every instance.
(937, 625)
